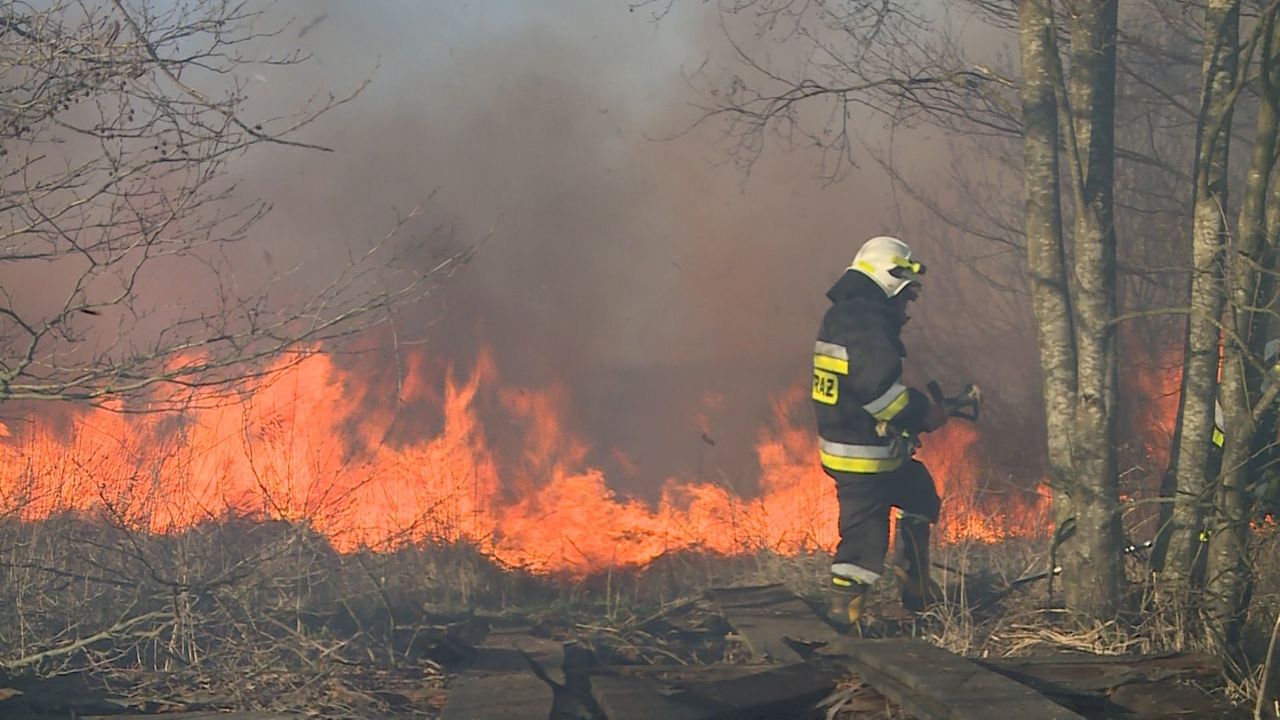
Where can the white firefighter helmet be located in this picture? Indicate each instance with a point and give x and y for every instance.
(887, 261)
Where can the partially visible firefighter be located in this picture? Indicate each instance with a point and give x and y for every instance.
(1263, 473)
(867, 422)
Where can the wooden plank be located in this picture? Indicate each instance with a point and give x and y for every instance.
(71, 695)
(251, 715)
(545, 655)
(925, 680)
(676, 674)
(921, 707)
(773, 621)
(1118, 684)
(944, 686)
(1086, 674)
(1173, 699)
(628, 698)
(494, 660)
(505, 696)
(713, 692)
(783, 692)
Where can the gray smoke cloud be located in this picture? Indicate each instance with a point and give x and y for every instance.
(650, 277)
(644, 274)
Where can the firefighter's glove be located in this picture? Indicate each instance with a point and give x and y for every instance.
(964, 405)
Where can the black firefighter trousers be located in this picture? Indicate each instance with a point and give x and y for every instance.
(865, 499)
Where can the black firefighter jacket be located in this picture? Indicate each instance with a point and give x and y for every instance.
(857, 381)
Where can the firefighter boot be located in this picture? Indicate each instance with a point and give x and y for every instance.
(846, 600)
(919, 591)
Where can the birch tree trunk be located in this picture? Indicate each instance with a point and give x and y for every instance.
(1186, 484)
(1046, 254)
(1228, 578)
(1091, 559)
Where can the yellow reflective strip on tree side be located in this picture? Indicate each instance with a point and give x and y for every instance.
(831, 364)
(894, 407)
(859, 465)
(1218, 437)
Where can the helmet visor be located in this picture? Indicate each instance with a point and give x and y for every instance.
(905, 269)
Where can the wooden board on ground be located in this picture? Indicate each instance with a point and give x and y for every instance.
(763, 695)
(630, 698)
(1143, 686)
(767, 695)
(210, 715)
(71, 695)
(1090, 672)
(675, 674)
(504, 696)
(940, 685)
(926, 680)
(546, 655)
(773, 621)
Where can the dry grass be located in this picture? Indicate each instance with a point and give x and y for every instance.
(238, 614)
(184, 619)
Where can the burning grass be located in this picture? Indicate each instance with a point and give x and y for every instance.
(304, 447)
(286, 552)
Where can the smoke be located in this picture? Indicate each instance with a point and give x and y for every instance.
(671, 295)
(649, 276)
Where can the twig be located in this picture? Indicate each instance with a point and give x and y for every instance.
(1270, 686)
(82, 643)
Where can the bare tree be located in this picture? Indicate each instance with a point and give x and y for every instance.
(1187, 473)
(1076, 325)
(121, 224)
(883, 58)
(1253, 267)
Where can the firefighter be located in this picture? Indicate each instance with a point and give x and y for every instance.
(867, 421)
(1263, 483)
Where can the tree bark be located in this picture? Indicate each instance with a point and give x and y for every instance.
(1046, 255)
(1092, 555)
(1228, 577)
(1187, 491)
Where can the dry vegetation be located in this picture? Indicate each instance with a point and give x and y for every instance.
(251, 615)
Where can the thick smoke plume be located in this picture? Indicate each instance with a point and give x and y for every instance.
(671, 296)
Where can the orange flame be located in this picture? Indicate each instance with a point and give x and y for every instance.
(298, 449)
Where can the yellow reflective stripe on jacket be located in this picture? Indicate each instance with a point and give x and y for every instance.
(888, 405)
(843, 457)
(1218, 437)
(831, 357)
